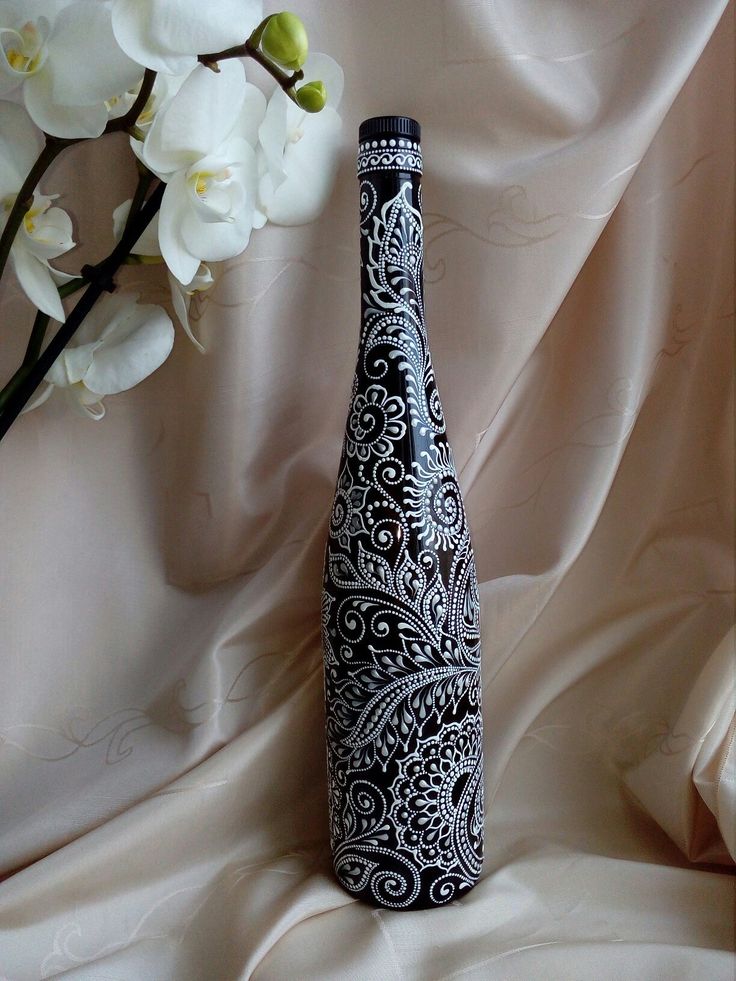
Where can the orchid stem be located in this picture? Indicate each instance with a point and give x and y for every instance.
(12, 386)
(28, 377)
(145, 178)
(36, 339)
(73, 286)
(250, 49)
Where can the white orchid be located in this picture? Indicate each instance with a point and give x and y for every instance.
(298, 153)
(147, 248)
(201, 144)
(120, 343)
(167, 35)
(46, 232)
(229, 161)
(65, 57)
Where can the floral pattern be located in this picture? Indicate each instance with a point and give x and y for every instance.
(374, 424)
(438, 798)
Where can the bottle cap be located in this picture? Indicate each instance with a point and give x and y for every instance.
(389, 143)
(388, 126)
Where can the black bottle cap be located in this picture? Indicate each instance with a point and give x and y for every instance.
(390, 126)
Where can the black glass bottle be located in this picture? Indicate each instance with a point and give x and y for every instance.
(400, 610)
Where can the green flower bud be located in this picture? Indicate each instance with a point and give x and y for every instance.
(285, 40)
(312, 96)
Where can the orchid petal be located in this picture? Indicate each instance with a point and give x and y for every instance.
(63, 121)
(164, 89)
(251, 115)
(34, 276)
(130, 23)
(182, 263)
(85, 403)
(272, 136)
(311, 165)
(225, 239)
(105, 314)
(197, 119)
(180, 300)
(137, 345)
(87, 63)
(168, 34)
(61, 278)
(51, 235)
(72, 364)
(216, 242)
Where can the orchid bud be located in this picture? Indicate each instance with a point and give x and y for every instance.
(285, 40)
(312, 96)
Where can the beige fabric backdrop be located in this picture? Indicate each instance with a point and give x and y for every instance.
(163, 811)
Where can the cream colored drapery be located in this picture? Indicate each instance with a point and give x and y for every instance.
(163, 801)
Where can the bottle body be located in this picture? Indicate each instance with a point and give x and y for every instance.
(400, 610)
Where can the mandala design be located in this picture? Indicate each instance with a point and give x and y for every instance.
(435, 799)
(400, 610)
(374, 424)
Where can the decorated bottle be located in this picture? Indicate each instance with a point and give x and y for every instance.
(400, 609)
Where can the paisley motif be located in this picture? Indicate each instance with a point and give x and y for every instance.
(400, 610)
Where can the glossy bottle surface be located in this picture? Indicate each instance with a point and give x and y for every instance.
(400, 610)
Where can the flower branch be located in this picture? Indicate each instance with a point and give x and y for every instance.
(217, 159)
(53, 146)
(251, 50)
(100, 277)
(35, 342)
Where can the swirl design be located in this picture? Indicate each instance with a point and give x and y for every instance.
(400, 610)
(390, 154)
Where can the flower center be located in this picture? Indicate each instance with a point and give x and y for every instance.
(39, 206)
(203, 180)
(24, 49)
(32, 213)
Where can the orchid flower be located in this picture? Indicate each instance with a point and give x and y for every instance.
(67, 61)
(298, 151)
(167, 35)
(201, 144)
(46, 232)
(120, 343)
(148, 249)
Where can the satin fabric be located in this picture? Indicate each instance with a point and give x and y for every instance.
(163, 811)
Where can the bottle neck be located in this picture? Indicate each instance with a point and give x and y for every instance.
(391, 251)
